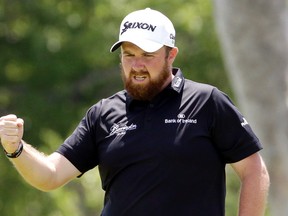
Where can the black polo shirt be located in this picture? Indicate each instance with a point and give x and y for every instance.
(164, 157)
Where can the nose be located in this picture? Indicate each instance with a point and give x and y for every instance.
(138, 64)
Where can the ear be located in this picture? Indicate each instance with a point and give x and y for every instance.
(172, 54)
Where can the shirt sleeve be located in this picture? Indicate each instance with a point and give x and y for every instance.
(80, 147)
(232, 134)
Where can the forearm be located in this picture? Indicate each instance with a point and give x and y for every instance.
(43, 172)
(252, 201)
(254, 193)
(34, 167)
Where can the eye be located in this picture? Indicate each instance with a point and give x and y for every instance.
(148, 54)
(127, 55)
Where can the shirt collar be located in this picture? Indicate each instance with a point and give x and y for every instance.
(178, 80)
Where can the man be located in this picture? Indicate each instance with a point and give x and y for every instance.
(161, 144)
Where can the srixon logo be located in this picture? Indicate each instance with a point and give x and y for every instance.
(137, 25)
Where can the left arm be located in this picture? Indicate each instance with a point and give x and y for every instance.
(254, 185)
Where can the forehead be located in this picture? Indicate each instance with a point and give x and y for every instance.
(130, 47)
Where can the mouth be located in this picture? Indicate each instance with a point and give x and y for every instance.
(139, 78)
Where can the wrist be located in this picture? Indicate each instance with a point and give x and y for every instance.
(17, 153)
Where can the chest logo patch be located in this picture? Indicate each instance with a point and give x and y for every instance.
(121, 129)
(181, 118)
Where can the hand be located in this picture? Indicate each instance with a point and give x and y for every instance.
(11, 132)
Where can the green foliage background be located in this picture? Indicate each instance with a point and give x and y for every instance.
(55, 63)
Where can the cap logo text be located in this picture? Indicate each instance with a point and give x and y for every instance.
(138, 25)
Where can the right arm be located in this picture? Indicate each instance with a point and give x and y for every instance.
(41, 171)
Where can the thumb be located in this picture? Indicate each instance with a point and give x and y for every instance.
(20, 124)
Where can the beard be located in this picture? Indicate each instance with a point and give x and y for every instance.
(147, 91)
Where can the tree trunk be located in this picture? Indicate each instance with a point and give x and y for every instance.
(253, 36)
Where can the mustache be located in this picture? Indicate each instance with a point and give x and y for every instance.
(139, 73)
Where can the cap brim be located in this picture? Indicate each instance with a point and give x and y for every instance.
(115, 46)
(146, 45)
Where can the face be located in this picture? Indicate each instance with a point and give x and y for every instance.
(146, 74)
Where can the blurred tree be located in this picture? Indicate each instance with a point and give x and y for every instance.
(254, 40)
(55, 63)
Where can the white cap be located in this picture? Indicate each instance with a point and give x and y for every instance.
(148, 29)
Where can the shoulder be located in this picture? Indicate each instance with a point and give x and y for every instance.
(109, 102)
(199, 90)
(207, 95)
(105, 106)
(203, 89)
(198, 87)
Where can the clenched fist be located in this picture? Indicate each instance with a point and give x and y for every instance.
(11, 132)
